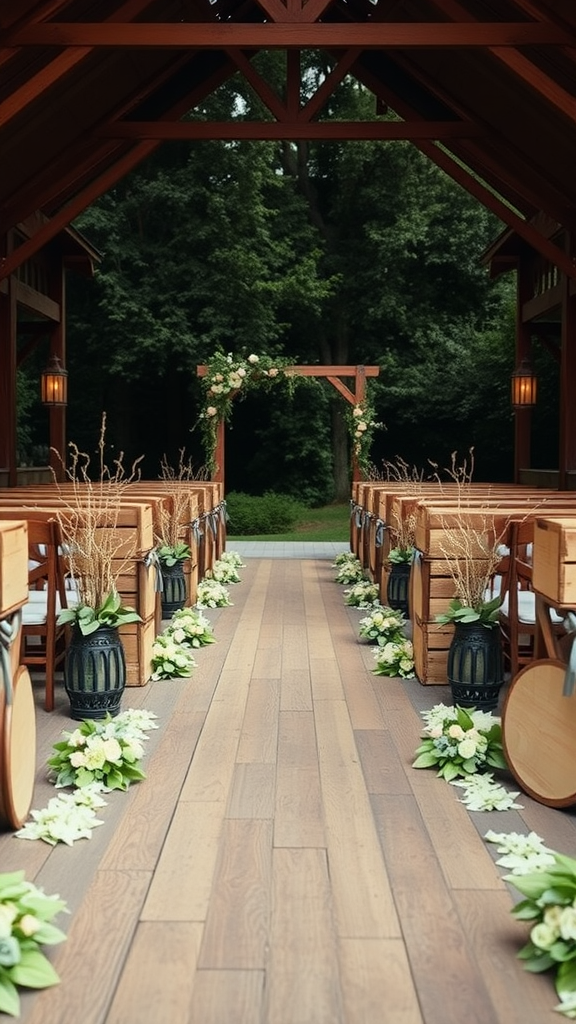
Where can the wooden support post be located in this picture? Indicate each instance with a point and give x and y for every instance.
(567, 443)
(8, 382)
(522, 417)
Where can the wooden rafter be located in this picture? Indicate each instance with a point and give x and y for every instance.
(531, 188)
(369, 35)
(518, 63)
(292, 129)
(62, 64)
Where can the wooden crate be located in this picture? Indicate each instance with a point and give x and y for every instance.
(434, 523)
(431, 588)
(137, 639)
(431, 642)
(137, 587)
(13, 566)
(554, 560)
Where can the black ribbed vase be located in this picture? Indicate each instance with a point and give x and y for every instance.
(475, 665)
(398, 587)
(95, 673)
(174, 588)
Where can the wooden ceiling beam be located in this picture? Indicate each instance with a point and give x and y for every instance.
(370, 35)
(523, 228)
(38, 13)
(325, 90)
(109, 177)
(60, 66)
(530, 189)
(516, 62)
(472, 184)
(292, 129)
(262, 89)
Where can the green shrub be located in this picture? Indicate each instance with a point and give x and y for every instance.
(270, 513)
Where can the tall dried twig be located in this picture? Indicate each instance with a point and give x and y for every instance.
(88, 519)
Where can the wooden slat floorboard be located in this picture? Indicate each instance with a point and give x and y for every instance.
(283, 863)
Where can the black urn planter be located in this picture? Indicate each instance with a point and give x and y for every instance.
(398, 587)
(173, 588)
(476, 665)
(95, 673)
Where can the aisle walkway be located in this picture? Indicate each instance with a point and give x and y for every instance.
(283, 863)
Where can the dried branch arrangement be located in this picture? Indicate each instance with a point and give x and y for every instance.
(88, 520)
(403, 528)
(175, 513)
(473, 542)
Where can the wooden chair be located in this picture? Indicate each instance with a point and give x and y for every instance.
(43, 643)
(518, 612)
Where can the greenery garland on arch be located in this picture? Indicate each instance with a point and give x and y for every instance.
(362, 425)
(228, 376)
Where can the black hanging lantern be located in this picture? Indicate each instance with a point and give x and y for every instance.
(524, 385)
(54, 383)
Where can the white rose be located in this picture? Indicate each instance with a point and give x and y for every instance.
(568, 923)
(273, 372)
(211, 411)
(357, 411)
(361, 426)
(253, 359)
(543, 936)
(467, 748)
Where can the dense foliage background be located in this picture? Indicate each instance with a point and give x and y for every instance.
(357, 252)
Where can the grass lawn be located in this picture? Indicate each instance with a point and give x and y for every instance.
(331, 523)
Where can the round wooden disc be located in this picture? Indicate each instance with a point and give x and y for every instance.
(17, 752)
(538, 729)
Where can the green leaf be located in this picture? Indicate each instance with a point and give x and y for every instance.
(8, 880)
(425, 760)
(9, 998)
(449, 771)
(566, 978)
(34, 970)
(532, 885)
(527, 910)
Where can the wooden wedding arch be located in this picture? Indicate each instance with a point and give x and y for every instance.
(332, 374)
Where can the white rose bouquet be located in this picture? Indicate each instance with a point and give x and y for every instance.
(189, 627)
(104, 750)
(383, 622)
(362, 595)
(212, 594)
(395, 658)
(171, 659)
(25, 924)
(459, 742)
(550, 907)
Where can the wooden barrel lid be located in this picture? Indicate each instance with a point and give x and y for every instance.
(17, 751)
(538, 730)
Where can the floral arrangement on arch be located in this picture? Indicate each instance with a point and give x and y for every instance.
(228, 376)
(362, 425)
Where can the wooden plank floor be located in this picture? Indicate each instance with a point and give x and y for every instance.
(283, 863)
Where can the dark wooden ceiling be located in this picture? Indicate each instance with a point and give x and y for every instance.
(486, 88)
